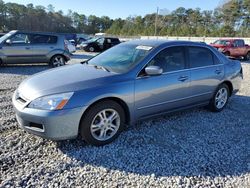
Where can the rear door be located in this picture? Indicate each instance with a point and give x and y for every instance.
(241, 48)
(206, 73)
(19, 50)
(170, 90)
(42, 45)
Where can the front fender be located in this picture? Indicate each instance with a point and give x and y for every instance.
(123, 91)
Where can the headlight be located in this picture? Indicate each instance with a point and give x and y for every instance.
(51, 102)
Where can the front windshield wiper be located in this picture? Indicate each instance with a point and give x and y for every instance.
(96, 66)
(85, 62)
(101, 67)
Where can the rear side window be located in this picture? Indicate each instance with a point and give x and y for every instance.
(115, 40)
(170, 59)
(43, 39)
(240, 43)
(200, 57)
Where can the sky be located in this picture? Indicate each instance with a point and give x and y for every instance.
(121, 8)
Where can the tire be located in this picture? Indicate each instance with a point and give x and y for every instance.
(227, 53)
(102, 123)
(220, 98)
(247, 56)
(91, 49)
(57, 61)
(1, 63)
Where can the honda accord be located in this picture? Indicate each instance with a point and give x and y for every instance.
(131, 81)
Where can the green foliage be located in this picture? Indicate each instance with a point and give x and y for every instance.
(230, 19)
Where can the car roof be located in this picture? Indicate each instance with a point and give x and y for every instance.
(156, 43)
(230, 39)
(39, 32)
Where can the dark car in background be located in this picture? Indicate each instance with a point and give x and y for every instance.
(33, 47)
(99, 44)
(2, 34)
(233, 47)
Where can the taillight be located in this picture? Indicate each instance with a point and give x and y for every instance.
(65, 45)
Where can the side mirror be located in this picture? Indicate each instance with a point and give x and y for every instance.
(153, 70)
(8, 42)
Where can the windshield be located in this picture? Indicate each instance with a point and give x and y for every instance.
(121, 58)
(222, 42)
(92, 40)
(3, 38)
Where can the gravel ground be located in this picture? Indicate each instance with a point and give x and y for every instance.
(195, 148)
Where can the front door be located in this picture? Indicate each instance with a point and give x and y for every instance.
(18, 50)
(156, 94)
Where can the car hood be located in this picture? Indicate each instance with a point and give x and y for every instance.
(64, 79)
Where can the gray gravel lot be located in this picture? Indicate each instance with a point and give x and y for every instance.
(194, 148)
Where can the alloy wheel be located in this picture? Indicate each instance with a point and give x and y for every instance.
(221, 98)
(58, 61)
(105, 124)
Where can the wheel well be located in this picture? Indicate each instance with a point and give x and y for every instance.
(117, 100)
(60, 55)
(230, 86)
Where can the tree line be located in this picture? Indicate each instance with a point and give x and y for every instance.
(230, 19)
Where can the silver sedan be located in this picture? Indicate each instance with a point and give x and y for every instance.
(131, 81)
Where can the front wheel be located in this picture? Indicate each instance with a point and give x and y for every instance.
(220, 98)
(57, 61)
(91, 49)
(102, 123)
(227, 53)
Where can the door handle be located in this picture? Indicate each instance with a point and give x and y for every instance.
(218, 71)
(183, 78)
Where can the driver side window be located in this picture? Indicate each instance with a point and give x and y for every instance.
(20, 39)
(170, 59)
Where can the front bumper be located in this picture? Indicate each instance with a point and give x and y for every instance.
(54, 125)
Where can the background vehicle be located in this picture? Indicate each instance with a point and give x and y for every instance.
(71, 46)
(33, 47)
(233, 47)
(128, 82)
(2, 34)
(99, 44)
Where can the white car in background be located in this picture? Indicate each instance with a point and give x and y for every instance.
(70, 46)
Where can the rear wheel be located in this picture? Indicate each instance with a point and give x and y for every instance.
(220, 98)
(247, 56)
(102, 123)
(57, 61)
